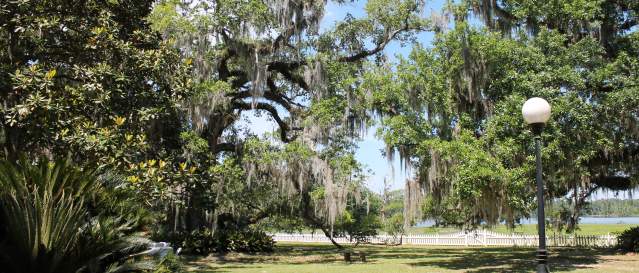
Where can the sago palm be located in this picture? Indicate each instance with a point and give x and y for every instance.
(46, 222)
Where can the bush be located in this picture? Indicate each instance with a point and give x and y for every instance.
(203, 242)
(199, 242)
(169, 264)
(246, 241)
(47, 224)
(629, 240)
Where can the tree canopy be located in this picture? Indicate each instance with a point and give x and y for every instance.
(453, 110)
(272, 58)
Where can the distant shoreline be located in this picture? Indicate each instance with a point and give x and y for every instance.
(602, 220)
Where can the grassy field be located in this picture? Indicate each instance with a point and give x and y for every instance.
(316, 258)
(585, 229)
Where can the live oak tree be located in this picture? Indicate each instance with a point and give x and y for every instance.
(271, 57)
(453, 111)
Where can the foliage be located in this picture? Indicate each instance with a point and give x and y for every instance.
(199, 242)
(394, 225)
(476, 181)
(272, 59)
(629, 240)
(93, 81)
(247, 241)
(94, 73)
(169, 264)
(320, 188)
(558, 215)
(154, 93)
(392, 212)
(204, 241)
(452, 111)
(48, 224)
(361, 220)
(112, 93)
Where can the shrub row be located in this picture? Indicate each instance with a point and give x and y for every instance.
(203, 241)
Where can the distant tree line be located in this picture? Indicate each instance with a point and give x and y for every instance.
(613, 207)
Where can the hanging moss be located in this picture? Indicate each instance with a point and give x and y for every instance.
(293, 176)
(413, 196)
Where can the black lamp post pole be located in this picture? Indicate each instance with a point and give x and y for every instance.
(542, 253)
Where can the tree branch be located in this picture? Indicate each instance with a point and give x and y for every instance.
(284, 128)
(222, 68)
(613, 182)
(365, 53)
(224, 147)
(286, 69)
(271, 95)
(503, 13)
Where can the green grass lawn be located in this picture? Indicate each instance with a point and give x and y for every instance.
(585, 229)
(316, 258)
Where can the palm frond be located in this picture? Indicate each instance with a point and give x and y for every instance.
(48, 225)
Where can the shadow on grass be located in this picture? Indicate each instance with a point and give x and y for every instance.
(477, 260)
(204, 265)
(484, 260)
(412, 253)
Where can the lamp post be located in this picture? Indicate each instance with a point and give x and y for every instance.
(536, 112)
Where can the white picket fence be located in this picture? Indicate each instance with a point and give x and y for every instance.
(469, 238)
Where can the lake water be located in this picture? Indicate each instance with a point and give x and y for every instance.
(582, 220)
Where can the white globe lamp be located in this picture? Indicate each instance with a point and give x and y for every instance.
(536, 112)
